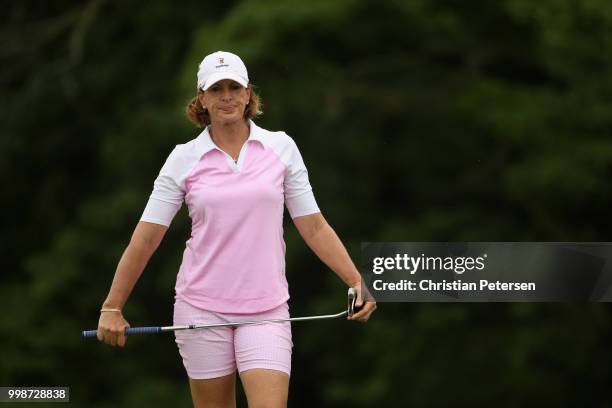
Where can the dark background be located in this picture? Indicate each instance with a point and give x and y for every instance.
(418, 121)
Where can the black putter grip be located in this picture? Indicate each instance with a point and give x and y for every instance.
(87, 334)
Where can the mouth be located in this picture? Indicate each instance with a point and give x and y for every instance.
(227, 109)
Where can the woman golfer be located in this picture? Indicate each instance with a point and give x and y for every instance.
(235, 178)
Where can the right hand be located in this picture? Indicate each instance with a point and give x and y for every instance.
(111, 328)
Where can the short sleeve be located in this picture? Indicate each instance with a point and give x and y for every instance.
(168, 194)
(299, 197)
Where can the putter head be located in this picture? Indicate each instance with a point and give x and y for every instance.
(352, 298)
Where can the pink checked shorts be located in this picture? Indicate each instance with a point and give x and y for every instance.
(216, 352)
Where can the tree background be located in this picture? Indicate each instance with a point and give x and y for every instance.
(418, 120)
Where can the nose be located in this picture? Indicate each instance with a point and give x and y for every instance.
(226, 95)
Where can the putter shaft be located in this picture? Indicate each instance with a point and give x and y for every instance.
(251, 322)
(156, 329)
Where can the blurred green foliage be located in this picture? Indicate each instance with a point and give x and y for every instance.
(418, 120)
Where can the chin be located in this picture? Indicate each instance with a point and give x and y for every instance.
(229, 119)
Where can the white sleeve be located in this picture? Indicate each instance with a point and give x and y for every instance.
(299, 198)
(168, 194)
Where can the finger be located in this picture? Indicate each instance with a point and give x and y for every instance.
(368, 306)
(99, 335)
(366, 311)
(117, 335)
(122, 337)
(359, 315)
(359, 301)
(365, 317)
(359, 311)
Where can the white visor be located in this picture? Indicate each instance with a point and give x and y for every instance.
(218, 76)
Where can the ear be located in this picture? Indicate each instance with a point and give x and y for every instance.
(200, 97)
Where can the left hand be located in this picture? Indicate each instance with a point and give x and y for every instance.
(369, 306)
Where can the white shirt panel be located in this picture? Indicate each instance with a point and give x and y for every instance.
(168, 189)
(299, 197)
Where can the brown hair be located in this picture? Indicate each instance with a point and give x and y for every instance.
(200, 117)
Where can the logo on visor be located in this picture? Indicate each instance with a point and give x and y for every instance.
(221, 63)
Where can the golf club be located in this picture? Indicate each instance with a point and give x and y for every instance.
(351, 309)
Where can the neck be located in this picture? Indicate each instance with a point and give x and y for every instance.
(230, 133)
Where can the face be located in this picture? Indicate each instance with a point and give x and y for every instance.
(226, 101)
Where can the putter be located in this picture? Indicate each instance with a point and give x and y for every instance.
(351, 309)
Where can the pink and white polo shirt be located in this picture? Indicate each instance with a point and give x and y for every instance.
(234, 261)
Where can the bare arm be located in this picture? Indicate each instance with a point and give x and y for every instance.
(324, 242)
(144, 242)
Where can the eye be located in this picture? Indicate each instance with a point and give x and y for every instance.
(236, 86)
